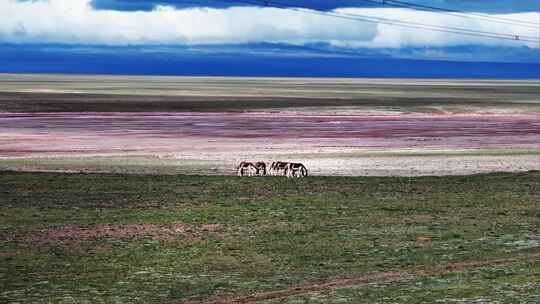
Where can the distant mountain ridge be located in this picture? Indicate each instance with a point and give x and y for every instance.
(266, 59)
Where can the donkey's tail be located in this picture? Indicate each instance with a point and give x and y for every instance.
(304, 171)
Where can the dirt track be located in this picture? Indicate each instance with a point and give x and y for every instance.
(379, 277)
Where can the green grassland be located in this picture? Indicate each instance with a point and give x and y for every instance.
(454, 239)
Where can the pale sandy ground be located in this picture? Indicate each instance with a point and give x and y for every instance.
(324, 166)
(332, 88)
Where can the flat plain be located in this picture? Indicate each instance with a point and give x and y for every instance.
(207, 125)
(420, 191)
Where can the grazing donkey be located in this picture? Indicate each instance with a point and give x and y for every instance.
(261, 168)
(250, 169)
(246, 169)
(278, 168)
(296, 170)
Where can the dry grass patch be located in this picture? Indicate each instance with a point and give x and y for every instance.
(73, 235)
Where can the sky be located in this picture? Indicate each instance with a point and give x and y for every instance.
(237, 38)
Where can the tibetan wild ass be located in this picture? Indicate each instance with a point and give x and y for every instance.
(296, 170)
(250, 169)
(261, 168)
(278, 168)
(246, 169)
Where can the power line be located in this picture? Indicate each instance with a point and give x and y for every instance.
(454, 12)
(511, 36)
(393, 22)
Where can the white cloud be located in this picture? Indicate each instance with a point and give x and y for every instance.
(75, 21)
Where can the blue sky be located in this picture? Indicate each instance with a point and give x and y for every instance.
(484, 6)
(211, 37)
